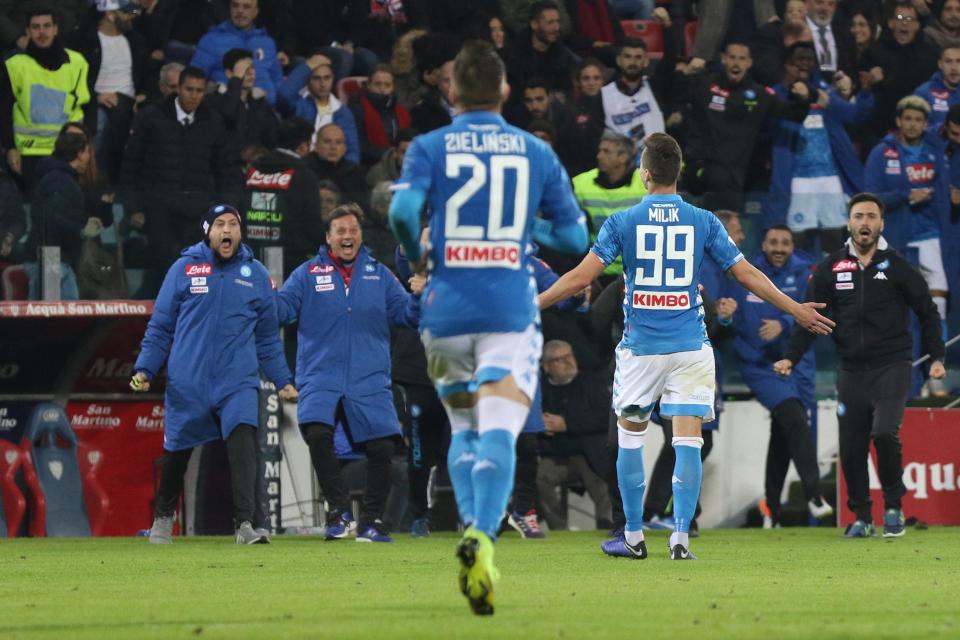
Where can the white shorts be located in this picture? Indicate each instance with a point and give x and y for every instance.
(458, 364)
(817, 203)
(931, 263)
(684, 382)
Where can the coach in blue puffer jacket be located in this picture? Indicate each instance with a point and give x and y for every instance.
(239, 33)
(216, 319)
(346, 302)
(762, 335)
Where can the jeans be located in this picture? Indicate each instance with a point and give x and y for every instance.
(68, 281)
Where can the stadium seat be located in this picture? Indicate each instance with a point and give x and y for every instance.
(13, 504)
(14, 283)
(52, 445)
(349, 87)
(690, 35)
(29, 486)
(98, 504)
(650, 31)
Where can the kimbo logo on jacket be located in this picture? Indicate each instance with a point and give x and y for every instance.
(278, 180)
(202, 269)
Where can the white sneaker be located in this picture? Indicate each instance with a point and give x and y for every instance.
(821, 510)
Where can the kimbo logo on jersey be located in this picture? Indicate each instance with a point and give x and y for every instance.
(661, 300)
(480, 253)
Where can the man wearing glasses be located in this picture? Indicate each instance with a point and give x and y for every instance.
(895, 65)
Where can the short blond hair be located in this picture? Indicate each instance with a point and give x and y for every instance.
(913, 102)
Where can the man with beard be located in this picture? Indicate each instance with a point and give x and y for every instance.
(836, 50)
(45, 87)
(631, 101)
(944, 29)
(540, 54)
(762, 332)
(869, 289)
(216, 319)
(726, 112)
(942, 90)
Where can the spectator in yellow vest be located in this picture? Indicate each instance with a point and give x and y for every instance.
(43, 88)
(613, 186)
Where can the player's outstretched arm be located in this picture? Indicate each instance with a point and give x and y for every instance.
(570, 238)
(573, 281)
(806, 314)
(405, 219)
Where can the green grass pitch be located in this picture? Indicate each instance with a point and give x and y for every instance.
(790, 583)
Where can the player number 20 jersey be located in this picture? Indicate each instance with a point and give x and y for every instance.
(485, 181)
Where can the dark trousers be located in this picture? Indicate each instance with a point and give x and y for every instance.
(379, 451)
(428, 432)
(525, 481)
(242, 453)
(790, 439)
(871, 408)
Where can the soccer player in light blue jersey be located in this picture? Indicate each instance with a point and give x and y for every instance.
(665, 354)
(483, 182)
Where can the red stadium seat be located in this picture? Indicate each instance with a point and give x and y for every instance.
(690, 35)
(650, 31)
(37, 527)
(13, 503)
(349, 87)
(95, 498)
(15, 285)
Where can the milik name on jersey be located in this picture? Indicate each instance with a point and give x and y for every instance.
(493, 142)
(663, 214)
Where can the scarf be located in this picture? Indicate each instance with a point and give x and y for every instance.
(52, 58)
(346, 270)
(377, 134)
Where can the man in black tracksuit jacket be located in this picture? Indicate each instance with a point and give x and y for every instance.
(282, 206)
(869, 290)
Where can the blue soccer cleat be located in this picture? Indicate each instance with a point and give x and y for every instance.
(340, 526)
(618, 547)
(860, 529)
(420, 528)
(374, 533)
(526, 524)
(659, 523)
(893, 523)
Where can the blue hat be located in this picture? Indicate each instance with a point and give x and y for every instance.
(118, 5)
(215, 212)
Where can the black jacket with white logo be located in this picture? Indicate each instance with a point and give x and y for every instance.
(283, 208)
(871, 307)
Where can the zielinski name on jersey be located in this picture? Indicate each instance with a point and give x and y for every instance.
(484, 141)
(481, 253)
(661, 300)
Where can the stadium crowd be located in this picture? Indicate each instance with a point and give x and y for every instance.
(122, 121)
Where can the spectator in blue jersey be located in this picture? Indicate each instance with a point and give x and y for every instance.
(239, 32)
(346, 302)
(942, 90)
(815, 166)
(215, 324)
(479, 323)
(908, 172)
(308, 93)
(761, 340)
(665, 355)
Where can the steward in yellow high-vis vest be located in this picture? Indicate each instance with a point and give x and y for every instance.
(45, 98)
(601, 198)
